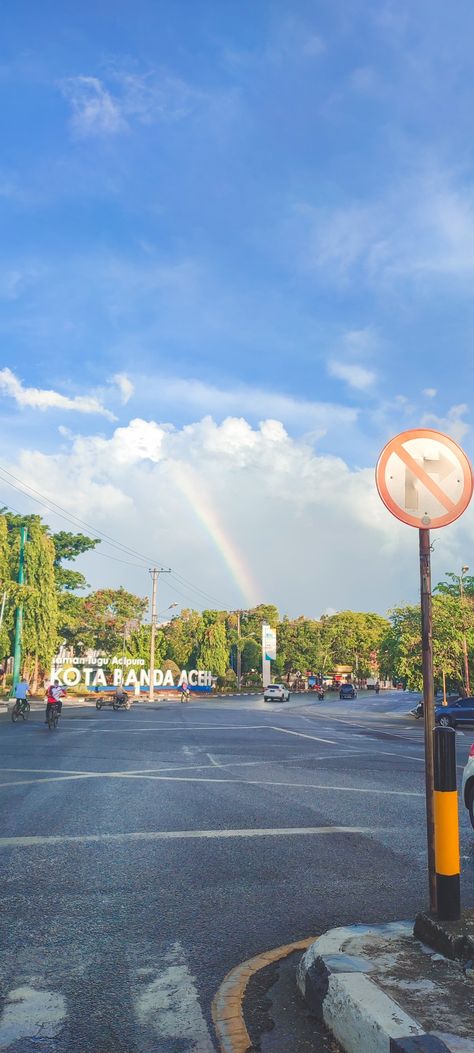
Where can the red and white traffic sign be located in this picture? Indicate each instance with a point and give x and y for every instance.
(424, 478)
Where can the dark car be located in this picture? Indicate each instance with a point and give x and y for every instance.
(460, 711)
(347, 691)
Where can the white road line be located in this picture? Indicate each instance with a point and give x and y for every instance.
(179, 835)
(374, 791)
(370, 727)
(301, 735)
(48, 771)
(231, 782)
(186, 728)
(217, 764)
(166, 1002)
(54, 778)
(29, 1013)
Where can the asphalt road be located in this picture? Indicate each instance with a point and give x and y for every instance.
(144, 854)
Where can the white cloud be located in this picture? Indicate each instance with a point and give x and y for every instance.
(154, 97)
(242, 512)
(222, 502)
(357, 377)
(452, 423)
(46, 398)
(314, 45)
(94, 110)
(361, 341)
(125, 386)
(421, 229)
(257, 403)
(430, 393)
(365, 80)
(100, 110)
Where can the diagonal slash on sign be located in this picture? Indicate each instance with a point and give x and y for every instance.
(424, 478)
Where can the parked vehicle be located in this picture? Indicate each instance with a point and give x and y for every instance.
(460, 711)
(347, 691)
(468, 785)
(276, 693)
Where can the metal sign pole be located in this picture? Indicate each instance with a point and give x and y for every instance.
(428, 704)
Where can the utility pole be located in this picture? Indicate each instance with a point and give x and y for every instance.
(239, 654)
(19, 611)
(467, 685)
(154, 575)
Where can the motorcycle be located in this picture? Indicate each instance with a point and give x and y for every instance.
(417, 712)
(121, 701)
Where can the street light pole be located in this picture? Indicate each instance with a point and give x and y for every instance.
(467, 685)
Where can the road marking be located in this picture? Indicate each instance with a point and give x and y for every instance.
(181, 727)
(29, 1013)
(49, 771)
(67, 776)
(301, 735)
(166, 1002)
(37, 840)
(227, 1011)
(217, 764)
(234, 782)
(375, 731)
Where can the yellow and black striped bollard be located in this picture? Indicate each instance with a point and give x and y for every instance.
(446, 816)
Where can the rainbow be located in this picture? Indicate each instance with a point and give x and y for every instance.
(206, 513)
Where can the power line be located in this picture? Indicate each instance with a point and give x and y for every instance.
(29, 491)
(52, 506)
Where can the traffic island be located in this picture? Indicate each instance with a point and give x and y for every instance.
(379, 989)
(453, 939)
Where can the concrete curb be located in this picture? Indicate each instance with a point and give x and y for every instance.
(337, 988)
(453, 939)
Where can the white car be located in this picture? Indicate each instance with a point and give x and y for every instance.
(276, 693)
(468, 784)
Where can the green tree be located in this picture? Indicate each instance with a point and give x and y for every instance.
(108, 616)
(299, 646)
(453, 586)
(183, 636)
(6, 591)
(137, 645)
(40, 606)
(213, 651)
(68, 547)
(401, 647)
(353, 638)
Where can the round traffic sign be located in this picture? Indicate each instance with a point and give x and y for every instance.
(424, 478)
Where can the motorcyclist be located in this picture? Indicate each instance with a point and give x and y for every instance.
(184, 692)
(54, 696)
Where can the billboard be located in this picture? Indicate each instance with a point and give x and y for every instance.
(101, 672)
(268, 652)
(269, 643)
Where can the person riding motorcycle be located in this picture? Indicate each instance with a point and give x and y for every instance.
(54, 696)
(184, 692)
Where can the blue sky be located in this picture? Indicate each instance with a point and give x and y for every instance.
(239, 210)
